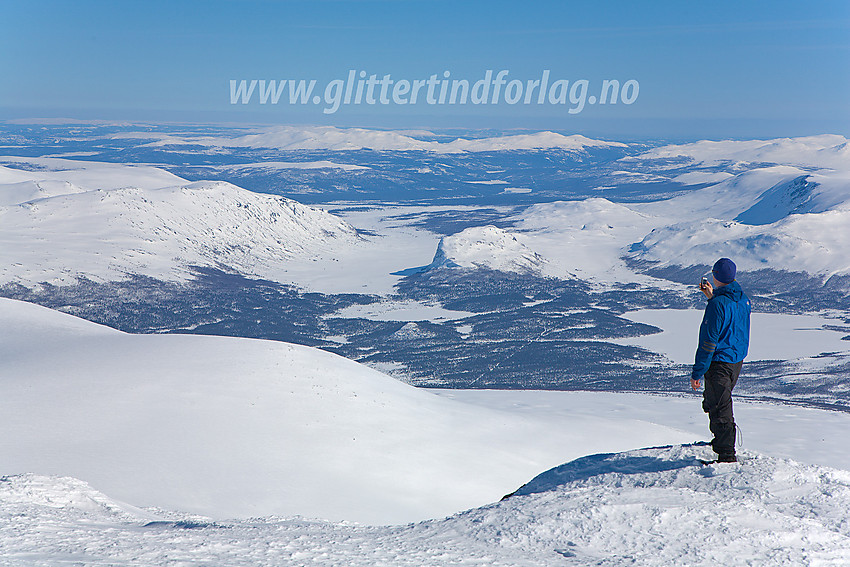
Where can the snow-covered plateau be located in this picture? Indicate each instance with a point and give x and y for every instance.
(823, 151)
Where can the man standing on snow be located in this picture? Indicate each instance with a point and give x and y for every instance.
(724, 338)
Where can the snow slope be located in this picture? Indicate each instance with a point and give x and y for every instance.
(89, 175)
(649, 507)
(237, 427)
(230, 427)
(116, 220)
(790, 431)
(761, 196)
(788, 216)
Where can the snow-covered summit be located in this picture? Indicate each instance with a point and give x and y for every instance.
(30, 190)
(487, 247)
(585, 238)
(761, 195)
(87, 175)
(106, 226)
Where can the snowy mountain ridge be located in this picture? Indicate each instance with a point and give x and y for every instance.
(778, 217)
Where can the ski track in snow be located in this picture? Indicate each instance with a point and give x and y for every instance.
(655, 506)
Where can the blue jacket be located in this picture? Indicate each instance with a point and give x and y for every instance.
(725, 331)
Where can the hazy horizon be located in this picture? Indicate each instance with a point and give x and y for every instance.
(729, 70)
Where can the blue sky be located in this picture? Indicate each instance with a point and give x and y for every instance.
(713, 69)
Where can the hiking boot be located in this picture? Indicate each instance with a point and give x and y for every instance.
(727, 458)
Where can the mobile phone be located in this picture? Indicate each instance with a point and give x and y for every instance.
(704, 281)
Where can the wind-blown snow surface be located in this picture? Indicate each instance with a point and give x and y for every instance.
(105, 221)
(238, 427)
(653, 507)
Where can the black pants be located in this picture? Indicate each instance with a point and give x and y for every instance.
(717, 403)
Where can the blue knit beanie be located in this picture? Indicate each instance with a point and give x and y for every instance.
(724, 270)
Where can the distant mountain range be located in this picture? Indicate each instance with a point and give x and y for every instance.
(777, 204)
(824, 151)
(339, 139)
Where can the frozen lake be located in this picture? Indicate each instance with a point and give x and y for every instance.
(773, 336)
